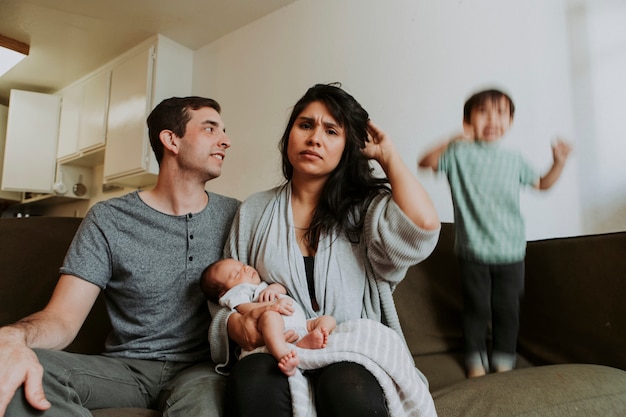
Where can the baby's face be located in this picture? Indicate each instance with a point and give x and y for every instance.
(490, 120)
(231, 273)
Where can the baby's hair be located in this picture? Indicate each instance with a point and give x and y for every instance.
(481, 97)
(211, 289)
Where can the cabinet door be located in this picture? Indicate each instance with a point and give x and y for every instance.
(93, 119)
(31, 142)
(5, 195)
(128, 147)
(71, 104)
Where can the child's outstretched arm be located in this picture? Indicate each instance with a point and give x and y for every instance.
(560, 152)
(431, 158)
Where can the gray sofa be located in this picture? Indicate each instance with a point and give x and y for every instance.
(572, 345)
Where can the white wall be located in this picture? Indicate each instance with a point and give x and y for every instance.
(412, 64)
(598, 32)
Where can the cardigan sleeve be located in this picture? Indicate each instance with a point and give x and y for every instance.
(236, 247)
(218, 338)
(393, 242)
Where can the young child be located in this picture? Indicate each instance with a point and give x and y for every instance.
(239, 287)
(490, 243)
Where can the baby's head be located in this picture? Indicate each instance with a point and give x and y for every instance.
(488, 115)
(225, 274)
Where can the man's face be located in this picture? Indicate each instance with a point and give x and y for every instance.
(203, 148)
(490, 120)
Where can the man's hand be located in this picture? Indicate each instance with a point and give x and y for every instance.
(242, 328)
(19, 365)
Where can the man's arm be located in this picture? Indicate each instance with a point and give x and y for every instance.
(54, 327)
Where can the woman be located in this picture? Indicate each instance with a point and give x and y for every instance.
(338, 238)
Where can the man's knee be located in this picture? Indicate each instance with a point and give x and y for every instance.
(197, 391)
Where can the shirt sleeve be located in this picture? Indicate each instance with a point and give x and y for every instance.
(443, 165)
(528, 174)
(89, 255)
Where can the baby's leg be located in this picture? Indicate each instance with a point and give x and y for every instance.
(272, 327)
(318, 330)
(289, 363)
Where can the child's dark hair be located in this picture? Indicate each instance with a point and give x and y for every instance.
(481, 97)
(211, 290)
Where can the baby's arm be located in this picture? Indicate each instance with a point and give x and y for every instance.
(282, 305)
(272, 292)
(560, 152)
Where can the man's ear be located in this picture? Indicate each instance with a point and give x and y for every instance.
(169, 140)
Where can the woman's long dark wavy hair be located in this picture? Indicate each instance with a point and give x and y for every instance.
(351, 186)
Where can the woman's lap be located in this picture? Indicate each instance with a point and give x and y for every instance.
(256, 387)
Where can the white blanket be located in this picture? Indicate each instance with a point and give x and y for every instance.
(380, 350)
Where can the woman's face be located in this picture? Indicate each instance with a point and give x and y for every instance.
(316, 142)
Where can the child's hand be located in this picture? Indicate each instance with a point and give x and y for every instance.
(462, 137)
(468, 133)
(284, 306)
(271, 293)
(560, 151)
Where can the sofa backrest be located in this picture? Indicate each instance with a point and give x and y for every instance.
(429, 301)
(574, 309)
(31, 251)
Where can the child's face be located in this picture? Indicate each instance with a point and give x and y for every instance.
(231, 272)
(490, 120)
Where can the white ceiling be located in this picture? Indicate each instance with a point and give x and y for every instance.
(70, 38)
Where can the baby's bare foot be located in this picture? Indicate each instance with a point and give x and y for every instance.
(315, 339)
(289, 363)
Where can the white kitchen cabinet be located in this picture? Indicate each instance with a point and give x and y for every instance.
(84, 110)
(93, 117)
(71, 104)
(5, 195)
(143, 78)
(31, 142)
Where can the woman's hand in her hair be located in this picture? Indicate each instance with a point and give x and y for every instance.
(406, 190)
(378, 145)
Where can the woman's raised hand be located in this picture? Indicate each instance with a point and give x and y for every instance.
(378, 145)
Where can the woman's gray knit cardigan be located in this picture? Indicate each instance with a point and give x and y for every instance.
(262, 236)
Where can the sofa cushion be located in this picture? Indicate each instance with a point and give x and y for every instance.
(555, 390)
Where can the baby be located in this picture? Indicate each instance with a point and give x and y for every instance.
(239, 287)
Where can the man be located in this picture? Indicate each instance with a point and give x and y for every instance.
(146, 250)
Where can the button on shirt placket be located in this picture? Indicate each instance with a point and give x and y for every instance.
(189, 238)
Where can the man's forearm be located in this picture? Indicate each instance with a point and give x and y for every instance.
(37, 331)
